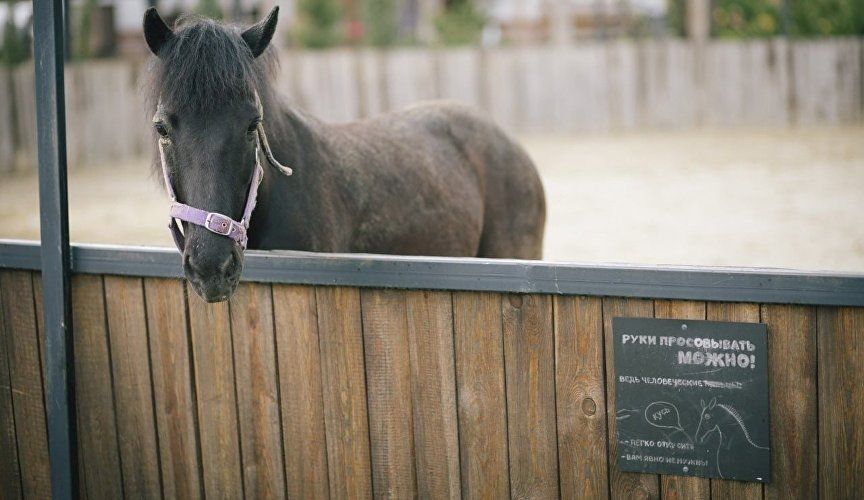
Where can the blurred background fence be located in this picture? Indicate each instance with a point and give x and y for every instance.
(590, 87)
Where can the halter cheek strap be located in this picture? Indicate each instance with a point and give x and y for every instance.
(213, 221)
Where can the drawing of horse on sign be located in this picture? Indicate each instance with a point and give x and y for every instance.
(724, 425)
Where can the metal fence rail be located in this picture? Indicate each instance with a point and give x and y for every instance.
(495, 275)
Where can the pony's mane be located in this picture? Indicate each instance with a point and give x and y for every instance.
(737, 416)
(205, 64)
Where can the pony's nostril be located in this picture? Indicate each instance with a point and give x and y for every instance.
(229, 263)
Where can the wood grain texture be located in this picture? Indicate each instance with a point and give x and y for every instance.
(841, 402)
(173, 393)
(25, 376)
(133, 392)
(10, 471)
(304, 439)
(217, 403)
(38, 300)
(433, 389)
(623, 485)
(529, 360)
(388, 389)
(257, 391)
(344, 388)
(681, 487)
(98, 450)
(40, 316)
(792, 391)
(482, 406)
(746, 313)
(580, 397)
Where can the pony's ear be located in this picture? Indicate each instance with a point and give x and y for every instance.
(156, 32)
(702, 402)
(258, 36)
(712, 403)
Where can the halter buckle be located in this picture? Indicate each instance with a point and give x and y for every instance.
(219, 224)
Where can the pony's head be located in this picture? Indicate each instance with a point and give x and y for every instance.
(713, 432)
(204, 92)
(707, 418)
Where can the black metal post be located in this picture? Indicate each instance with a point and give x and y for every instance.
(49, 37)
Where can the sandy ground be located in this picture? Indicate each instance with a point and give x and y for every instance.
(775, 198)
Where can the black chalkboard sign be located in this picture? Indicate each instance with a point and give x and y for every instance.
(691, 398)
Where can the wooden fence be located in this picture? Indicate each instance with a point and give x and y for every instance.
(310, 391)
(617, 85)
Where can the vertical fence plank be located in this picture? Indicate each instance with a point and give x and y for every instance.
(25, 376)
(372, 98)
(744, 313)
(257, 391)
(621, 72)
(388, 383)
(499, 91)
(623, 484)
(130, 361)
(433, 388)
(481, 398)
(7, 122)
(580, 397)
(410, 77)
(792, 389)
(173, 393)
(38, 299)
(294, 309)
(841, 402)
(217, 403)
(24, 90)
(459, 74)
(529, 360)
(97, 431)
(680, 486)
(10, 471)
(344, 385)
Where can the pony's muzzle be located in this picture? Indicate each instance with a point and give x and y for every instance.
(213, 275)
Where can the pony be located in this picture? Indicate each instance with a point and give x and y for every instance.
(724, 424)
(725, 417)
(434, 179)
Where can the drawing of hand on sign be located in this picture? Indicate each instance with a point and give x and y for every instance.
(665, 415)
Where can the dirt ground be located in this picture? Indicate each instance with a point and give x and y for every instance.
(765, 198)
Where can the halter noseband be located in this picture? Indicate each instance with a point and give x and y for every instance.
(213, 221)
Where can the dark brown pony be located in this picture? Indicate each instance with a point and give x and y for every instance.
(433, 179)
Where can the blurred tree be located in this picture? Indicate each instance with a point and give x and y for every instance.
(209, 8)
(318, 23)
(81, 38)
(94, 30)
(14, 49)
(749, 18)
(826, 17)
(459, 23)
(379, 21)
(746, 18)
(676, 17)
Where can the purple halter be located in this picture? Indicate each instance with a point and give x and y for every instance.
(213, 221)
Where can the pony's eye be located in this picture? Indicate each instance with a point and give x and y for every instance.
(161, 130)
(253, 126)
